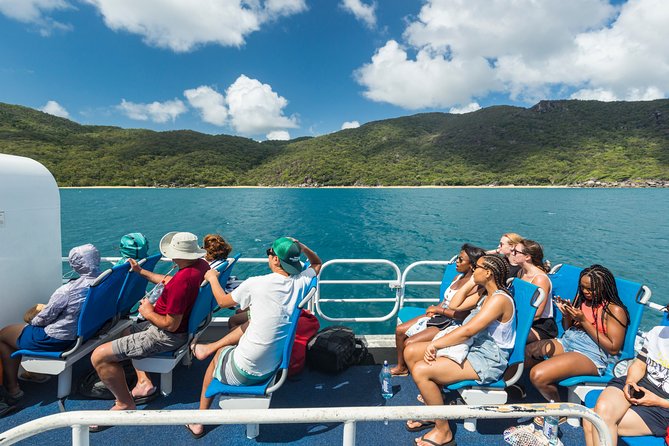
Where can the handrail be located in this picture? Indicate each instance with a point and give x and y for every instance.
(393, 284)
(404, 282)
(80, 420)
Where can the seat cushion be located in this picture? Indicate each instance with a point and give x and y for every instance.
(217, 388)
(36, 353)
(501, 384)
(583, 379)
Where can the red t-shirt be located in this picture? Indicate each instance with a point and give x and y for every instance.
(181, 291)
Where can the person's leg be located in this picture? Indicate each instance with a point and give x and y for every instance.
(144, 386)
(544, 376)
(203, 351)
(400, 338)
(205, 402)
(430, 378)
(422, 337)
(111, 373)
(8, 338)
(537, 351)
(238, 319)
(414, 353)
(611, 406)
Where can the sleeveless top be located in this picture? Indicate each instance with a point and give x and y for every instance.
(548, 308)
(450, 292)
(592, 313)
(504, 333)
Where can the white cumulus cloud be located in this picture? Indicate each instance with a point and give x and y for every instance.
(36, 12)
(255, 108)
(159, 112)
(54, 108)
(366, 13)
(458, 50)
(278, 135)
(210, 104)
(182, 25)
(350, 125)
(471, 107)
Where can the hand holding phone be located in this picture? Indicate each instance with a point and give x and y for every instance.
(633, 393)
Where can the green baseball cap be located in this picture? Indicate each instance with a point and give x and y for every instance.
(288, 251)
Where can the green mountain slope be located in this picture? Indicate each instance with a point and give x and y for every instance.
(554, 142)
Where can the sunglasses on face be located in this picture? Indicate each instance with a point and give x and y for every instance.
(270, 252)
(476, 266)
(459, 259)
(514, 251)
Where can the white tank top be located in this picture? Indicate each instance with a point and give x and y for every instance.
(548, 308)
(449, 293)
(504, 333)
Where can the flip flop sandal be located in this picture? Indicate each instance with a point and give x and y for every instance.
(147, 398)
(422, 425)
(193, 434)
(37, 378)
(434, 443)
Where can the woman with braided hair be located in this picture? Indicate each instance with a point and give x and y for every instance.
(595, 326)
(491, 330)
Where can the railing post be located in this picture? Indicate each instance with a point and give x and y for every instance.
(80, 435)
(349, 433)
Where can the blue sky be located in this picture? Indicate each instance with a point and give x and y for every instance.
(281, 69)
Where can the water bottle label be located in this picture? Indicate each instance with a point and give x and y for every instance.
(385, 387)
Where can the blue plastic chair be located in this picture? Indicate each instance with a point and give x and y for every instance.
(258, 396)
(647, 440)
(634, 296)
(98, 309)
(564, 279)
(134, 287)
(527, 298)
(198, 320)
(408, 313)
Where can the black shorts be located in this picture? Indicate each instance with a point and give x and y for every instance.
(656, 418)
(545, 327)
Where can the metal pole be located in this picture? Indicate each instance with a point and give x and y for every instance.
(80, 435)
(349, 433)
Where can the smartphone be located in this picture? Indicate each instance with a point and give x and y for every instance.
(636, 394)
(562, 301)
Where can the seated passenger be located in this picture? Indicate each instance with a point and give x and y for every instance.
(54, 328)
(217, 249)
(506, 244)
(438, 317)
(166, 324)
(272, 299)
(491, 327)
(529, 255)
(595, 326)
(133, 246)
(637, 404)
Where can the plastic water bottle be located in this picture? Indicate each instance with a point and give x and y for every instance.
(384, 377)
(551, 429)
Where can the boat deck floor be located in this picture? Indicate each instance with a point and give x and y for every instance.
(357, 386)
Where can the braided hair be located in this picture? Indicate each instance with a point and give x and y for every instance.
(604, 293)
(499, 269)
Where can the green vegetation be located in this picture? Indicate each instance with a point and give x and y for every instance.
(554, 142)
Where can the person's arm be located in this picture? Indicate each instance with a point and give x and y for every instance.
(149, 275)
(223, 299)
(635, 372)
(315, 262)
(461, 300)
(544, 283)
(612, 340)
(52, 310)
(167, 322)
(492, 310)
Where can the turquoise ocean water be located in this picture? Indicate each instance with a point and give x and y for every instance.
(626, 230)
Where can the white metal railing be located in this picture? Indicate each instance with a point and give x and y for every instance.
(404, 282)
(80, 420)
(393, 283)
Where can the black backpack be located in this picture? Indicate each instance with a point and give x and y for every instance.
(334, 349)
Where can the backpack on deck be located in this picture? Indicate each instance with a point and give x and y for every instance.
(334, 349)
(307, 327)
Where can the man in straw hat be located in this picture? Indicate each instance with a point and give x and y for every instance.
(272, 298)
(166, 324)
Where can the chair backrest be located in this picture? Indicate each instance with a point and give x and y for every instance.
(450, 273)
(134, 286)
(100, 303)
(565, 285)
(205, 301)
(629, 293)
(527, 298)
(301, 301)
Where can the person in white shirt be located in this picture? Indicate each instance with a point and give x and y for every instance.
(249, 354)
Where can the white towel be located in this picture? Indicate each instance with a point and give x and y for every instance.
(458, 352)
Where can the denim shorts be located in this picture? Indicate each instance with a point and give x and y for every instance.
(487, 358)
(574, 340)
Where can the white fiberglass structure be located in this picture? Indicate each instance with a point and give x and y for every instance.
(30, 251)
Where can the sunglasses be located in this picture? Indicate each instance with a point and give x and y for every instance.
(270, 252)
(476, 266)
(514, 251)
(459, 259)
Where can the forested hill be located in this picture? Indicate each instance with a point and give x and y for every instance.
(554, 142)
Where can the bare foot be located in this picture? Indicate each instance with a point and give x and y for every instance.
(143, 389)
(196, 430)
(201, 351)
(399, 371)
